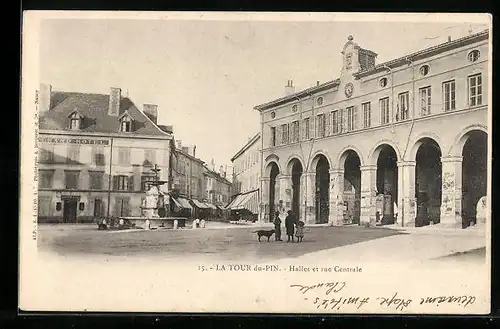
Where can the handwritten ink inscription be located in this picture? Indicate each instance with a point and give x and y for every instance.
(464, 300)
(334, 296)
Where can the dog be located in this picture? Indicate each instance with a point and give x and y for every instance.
(266, 233)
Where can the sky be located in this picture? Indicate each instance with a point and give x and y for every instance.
(206, 76)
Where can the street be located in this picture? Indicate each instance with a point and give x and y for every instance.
(220, 241)
(232, 243)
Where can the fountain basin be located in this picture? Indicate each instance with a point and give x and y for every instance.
(155, 222)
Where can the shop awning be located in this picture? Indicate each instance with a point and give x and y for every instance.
(177, 203)
(199, 204)
(248, 201)
(184, 203)
(209, 205)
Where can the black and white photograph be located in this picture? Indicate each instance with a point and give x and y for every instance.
(240, 162)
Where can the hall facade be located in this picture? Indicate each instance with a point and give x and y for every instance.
(402, 142)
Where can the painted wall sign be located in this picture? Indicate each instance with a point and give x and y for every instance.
(65, 140)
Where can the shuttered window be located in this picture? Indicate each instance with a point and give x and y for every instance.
(273, 136)
(306, 129)
(351, 118)
(294, 132)
(320, 125)
(335, 125)
(367, 114)
(123, 183)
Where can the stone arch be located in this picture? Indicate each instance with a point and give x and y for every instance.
(462, 137)
(289, 163)
(268, 166)
(375, 151)
(412, 155)
(344, 153)
(315, 158)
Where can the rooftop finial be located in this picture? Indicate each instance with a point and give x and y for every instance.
(350, 37)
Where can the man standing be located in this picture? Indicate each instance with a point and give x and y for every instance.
(290, 225)
(277, 227)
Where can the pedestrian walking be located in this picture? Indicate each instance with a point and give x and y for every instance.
(300, 231)
(290, 225)
(277, 227)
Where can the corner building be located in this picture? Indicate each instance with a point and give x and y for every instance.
(400, 142)
(97, 154)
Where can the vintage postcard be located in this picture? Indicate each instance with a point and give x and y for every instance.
(256, 162)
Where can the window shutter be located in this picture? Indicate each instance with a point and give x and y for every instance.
(312, 123)
(278, 135)
(303, 129)
(328, 120)
(340, 120)
(356, 118)
(131, 183)
(115, 182)
(316, 126)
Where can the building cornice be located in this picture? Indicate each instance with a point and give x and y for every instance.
(424, 53)
(102, 134)
(300, 94)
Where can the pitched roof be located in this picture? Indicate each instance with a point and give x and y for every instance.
(246, 146)
(94, 109)
(217, 175)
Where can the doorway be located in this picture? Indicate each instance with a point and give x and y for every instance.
(97, 208)
(69, 210)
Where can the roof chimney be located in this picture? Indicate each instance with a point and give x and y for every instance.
(44, 97)
(151, 111)
(221, 170)
(449, 38)
(194, 151)
(317, 83)
(115, 96)
(179, 144)
(289, 88)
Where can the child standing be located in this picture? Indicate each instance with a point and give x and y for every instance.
(300, 231)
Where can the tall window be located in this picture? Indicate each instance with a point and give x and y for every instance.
(335, 122)
(98, 156)
(295, 132)
(367, 114)
(71, 179)
(475, 90)
(284, 134)
(449, 95)
(351, 120)
(95, 180)
(126, 124)
(123, 156)
(273, 136)
(384, 110)
(123, 183)
(307, 129)
(149, 157)
(146, 182)
(73, 154)
(402, 112)
(122, 206)
(45, 178)
(425, 101)
(320, 124)
(74, 121)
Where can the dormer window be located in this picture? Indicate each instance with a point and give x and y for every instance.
(75, 120)
(126, 122)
